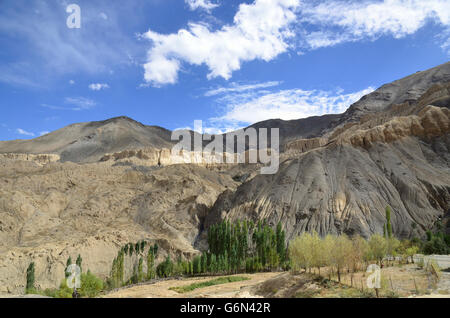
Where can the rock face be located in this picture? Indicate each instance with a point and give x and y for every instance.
(90, 188)
(342, 182)
(40, 160)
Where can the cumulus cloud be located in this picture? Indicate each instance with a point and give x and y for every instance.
(285, 104)
(98, 86)
(20, 131)
(265, 29)
(344, 21)
(42, 133)
(206, 5)
(260, 31)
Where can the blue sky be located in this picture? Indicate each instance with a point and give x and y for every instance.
(229, 63)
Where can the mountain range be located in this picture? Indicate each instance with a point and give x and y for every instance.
(91, 187)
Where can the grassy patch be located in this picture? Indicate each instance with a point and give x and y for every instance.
(217, 281)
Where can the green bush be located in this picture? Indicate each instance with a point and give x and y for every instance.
(64, 291)
(91, 285)
(436, 245)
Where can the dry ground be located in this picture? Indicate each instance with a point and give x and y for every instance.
(161, 289)
(397, 281)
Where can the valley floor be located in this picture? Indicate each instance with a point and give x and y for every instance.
(241, 289)
(397, 281)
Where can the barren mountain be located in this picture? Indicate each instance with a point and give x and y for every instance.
(90, 188)
(88, 142)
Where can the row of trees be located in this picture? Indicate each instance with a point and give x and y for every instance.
(339, 253)
(436, 243)
(117, 276)
(243, 246)
(233, 248)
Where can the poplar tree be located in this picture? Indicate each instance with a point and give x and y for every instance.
(141, 269)
(79, 261)
(204, 268)
(137, 247)
(68, 263)
(281, 243)
(150, 263)
(388, 222)
(131, 249)
(30, 277)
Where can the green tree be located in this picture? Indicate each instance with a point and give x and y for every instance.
(137, 247)
(360, 251)
(339, 255)
(150, 263)
(388, 222)
(281, 243)
(378, 247)
(141, 270)
(436, 245)
(30, 278)
(131, 249)
(300, 252)
(68, 263)
(79, 261)
(318, 257)
(165, 269)
(204, 265)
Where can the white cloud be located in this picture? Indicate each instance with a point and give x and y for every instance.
(103, 16)
(264, 29)
(80, 103)
(285, 104)
(42, 133)
(47, 50)
(98, 86)
(71, 82)
(206, 5)
(24, 132)
(235, 87)
(260, 31)
(444, 38)
(344, 21)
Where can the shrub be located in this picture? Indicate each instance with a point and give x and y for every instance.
(64, 291)
(436, 245)
(91, 285)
